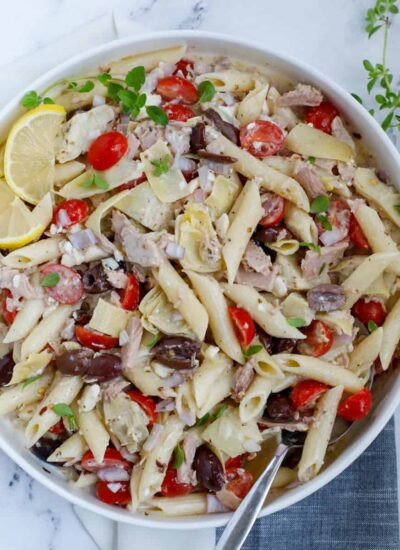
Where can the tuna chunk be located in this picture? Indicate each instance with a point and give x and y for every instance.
(302, 96)
(130, 349)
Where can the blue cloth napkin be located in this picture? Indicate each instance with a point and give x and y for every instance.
(357, 511)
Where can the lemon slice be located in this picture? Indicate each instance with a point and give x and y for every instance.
(29, 154)
(19, 225)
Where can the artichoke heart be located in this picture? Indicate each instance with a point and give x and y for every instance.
(127, 421)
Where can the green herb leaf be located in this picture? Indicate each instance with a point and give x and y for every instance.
(87, 87)
(323, 220)
(397, 207)
(203, 420)
(357, 98)
(30, 380)
(221, 411)
(323, 266)
(103, 78)
(311, 160)
(206, 91)
(319, 204)
(311, 246)
(296, 322)
(113, 90)
(162, 165)
(252, 350)
(48, 101)
(50, 279)
(136, 77)
(153, 340)
(72, 85)
(179, 457)
(64, 410)
(157, 114)
(372, 326)
(387, 121)
(95, 180)
(31, 100)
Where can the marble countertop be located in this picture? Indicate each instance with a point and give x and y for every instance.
(326, 34)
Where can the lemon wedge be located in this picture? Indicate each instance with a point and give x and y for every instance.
(29, 154)
(19, 225)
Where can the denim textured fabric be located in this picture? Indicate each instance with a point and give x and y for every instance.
(357, 511)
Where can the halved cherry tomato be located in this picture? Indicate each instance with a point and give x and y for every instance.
(75, 210)
(356, 234)
(369, 310)
(179, 112)
(240, 481)
(184, 65)
(7, 315)
(132, 183)
(146, 402)
(321, 117)
(94, 340)
(130, 296)
(69, 288)
(58, 428)
(236, 461)
(306, 392)
(112, 458)
(243, 324)
(107, 149)
(319, 339)
(356, 406)
(171, 487)
(261, 138)
(121, 496)
(189, 175)
(274, 208)
(176, 87)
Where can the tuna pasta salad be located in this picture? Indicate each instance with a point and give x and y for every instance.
(196, 254)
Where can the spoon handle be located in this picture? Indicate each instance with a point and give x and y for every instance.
(246, 514)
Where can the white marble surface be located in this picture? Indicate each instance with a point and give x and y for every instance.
(327, 34)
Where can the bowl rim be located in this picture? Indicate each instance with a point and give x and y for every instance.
(375, 424)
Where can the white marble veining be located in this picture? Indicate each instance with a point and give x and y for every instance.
(328, 35)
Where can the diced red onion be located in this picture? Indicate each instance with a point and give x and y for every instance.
(166, 405)
(187, 417)
(173, 381)
(228, 499)
(83, 239)
(98, 100)
(328, 238)
(130, 457)
(215, 506)
(153, 438)
(205, 181)
(113, 474)
(63, 218)
(175, 251)
(185, 164)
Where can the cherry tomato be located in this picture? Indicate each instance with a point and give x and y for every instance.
(356, 234)
(69, 288)
(261, 138)
(321, 117)
(189, 175)
(121, 497)
(243, 325)
(132, 183)
(319, 339)
(107, 149)
(234, 462)
(171, 487)
(112, 458)
(58, 428)
(240, 481)
(369, 310)
(306, 392)
(94, 340)
(175, 87)
(184, 65)
(146, 402)
(179, 112)
(356, 406)
(76, 210)
(7, 315)
(130, 296)
(274, 208)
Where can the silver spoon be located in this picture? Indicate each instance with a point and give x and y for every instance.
(246, 514)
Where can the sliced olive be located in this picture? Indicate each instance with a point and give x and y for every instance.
(177, 352)
(95, 280)
(103, 367)
(74, 362)
(6, 368)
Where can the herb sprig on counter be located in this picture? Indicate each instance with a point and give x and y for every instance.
(380, 78)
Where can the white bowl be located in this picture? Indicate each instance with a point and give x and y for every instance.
(387, 389)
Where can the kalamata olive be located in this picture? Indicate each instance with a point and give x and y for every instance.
(293, 458)
(226, 129)
(279, 408)
(208, 468)
(95, 280)
(267, 235)
(198, 137)
(82, 315)
(265, 339)
(326, 297)
(177, 352)
(45, 447)
(213, 157)
(281, 345)
(6, 368)
(122, 265)
(103, 367)
(74, 362)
